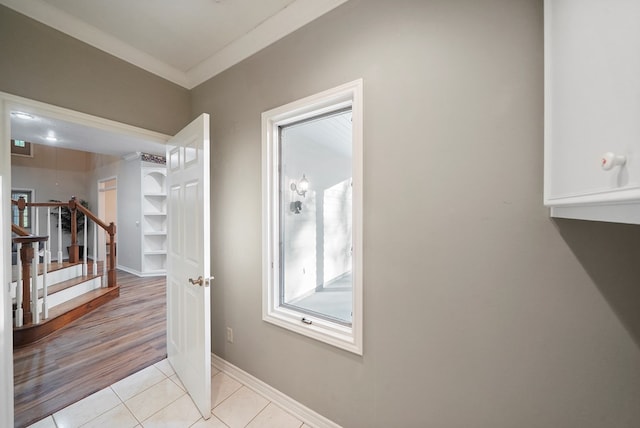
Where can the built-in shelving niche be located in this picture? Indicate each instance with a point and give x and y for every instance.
(154, 220)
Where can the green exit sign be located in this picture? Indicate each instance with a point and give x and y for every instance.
(19, 143)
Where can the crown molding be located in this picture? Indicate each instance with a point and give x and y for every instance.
(289, 19)
(62, 21)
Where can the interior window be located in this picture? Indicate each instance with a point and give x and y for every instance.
(315, 212)
(312, 216)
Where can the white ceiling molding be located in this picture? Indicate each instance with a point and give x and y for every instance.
(62, 21)
(296, 15)
(289, 19)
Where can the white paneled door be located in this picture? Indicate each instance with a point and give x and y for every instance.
(188, 263)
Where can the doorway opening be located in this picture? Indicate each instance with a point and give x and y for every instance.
(107, 211)
(47, 115)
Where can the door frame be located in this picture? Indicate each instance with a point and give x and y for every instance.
(8, 103)
(101, 211)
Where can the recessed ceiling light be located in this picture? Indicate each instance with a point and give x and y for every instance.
(22, 115)
(51, 138)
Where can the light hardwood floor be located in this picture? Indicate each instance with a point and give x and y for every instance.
(104, 346)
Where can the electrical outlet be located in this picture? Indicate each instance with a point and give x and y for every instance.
(229, 335)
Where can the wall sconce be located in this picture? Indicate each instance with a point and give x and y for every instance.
(302, 186)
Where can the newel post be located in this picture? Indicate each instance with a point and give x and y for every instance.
(73, 249)
(22, 204)
(111, 275)
(26, 254)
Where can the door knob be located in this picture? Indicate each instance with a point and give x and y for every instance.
(609, 160)
(199, 281)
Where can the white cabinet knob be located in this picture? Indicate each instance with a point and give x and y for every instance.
(609, 160)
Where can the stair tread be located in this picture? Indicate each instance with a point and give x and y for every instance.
(71, 304)
(78, 301)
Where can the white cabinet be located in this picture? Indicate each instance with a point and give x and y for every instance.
(154, 220)
(592, 109)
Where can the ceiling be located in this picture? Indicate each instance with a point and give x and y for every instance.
(334, 133)
(186, 42)
(40, 129)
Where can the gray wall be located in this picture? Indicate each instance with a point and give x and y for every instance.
(43, 64)
(480, 311)
(53, 173)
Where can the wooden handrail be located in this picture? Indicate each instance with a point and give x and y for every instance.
(111, 230)
(29, 239)
(20, 231)
(45, 204)
(92, 216)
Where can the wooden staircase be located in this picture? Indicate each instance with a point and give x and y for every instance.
(70, 295)
(47, 299)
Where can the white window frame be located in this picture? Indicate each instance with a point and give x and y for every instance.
(345, 337)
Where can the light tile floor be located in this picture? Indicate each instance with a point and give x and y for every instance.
(155, 397)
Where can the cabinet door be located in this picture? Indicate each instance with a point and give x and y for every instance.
(592, 100)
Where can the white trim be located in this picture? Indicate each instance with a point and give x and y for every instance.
(289, 19)
(295, 408)
(8, 103)
(547, 103)
(602, 197)
(348, 338)
(14, 102)
(6, 323)
(72, 26)
(102, 240)
(140, 274)
(623, 213)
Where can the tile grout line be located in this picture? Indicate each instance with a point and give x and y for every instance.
(159, 410)
(228, 396)
(151, 386)
(131, 411)
(120, 398)
(261, 410)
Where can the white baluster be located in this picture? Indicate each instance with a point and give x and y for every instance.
(59, 235)
(34, 285)
(19, 311)
(84, 256)
(36, 223)
(45, 305)
(47, 244)
(95, 249)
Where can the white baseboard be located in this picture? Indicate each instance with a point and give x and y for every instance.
(129, 270)
(300, 411)
(138, 273)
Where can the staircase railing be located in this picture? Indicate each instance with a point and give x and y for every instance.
(109, 228)
(27, 310)
(27, 251)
